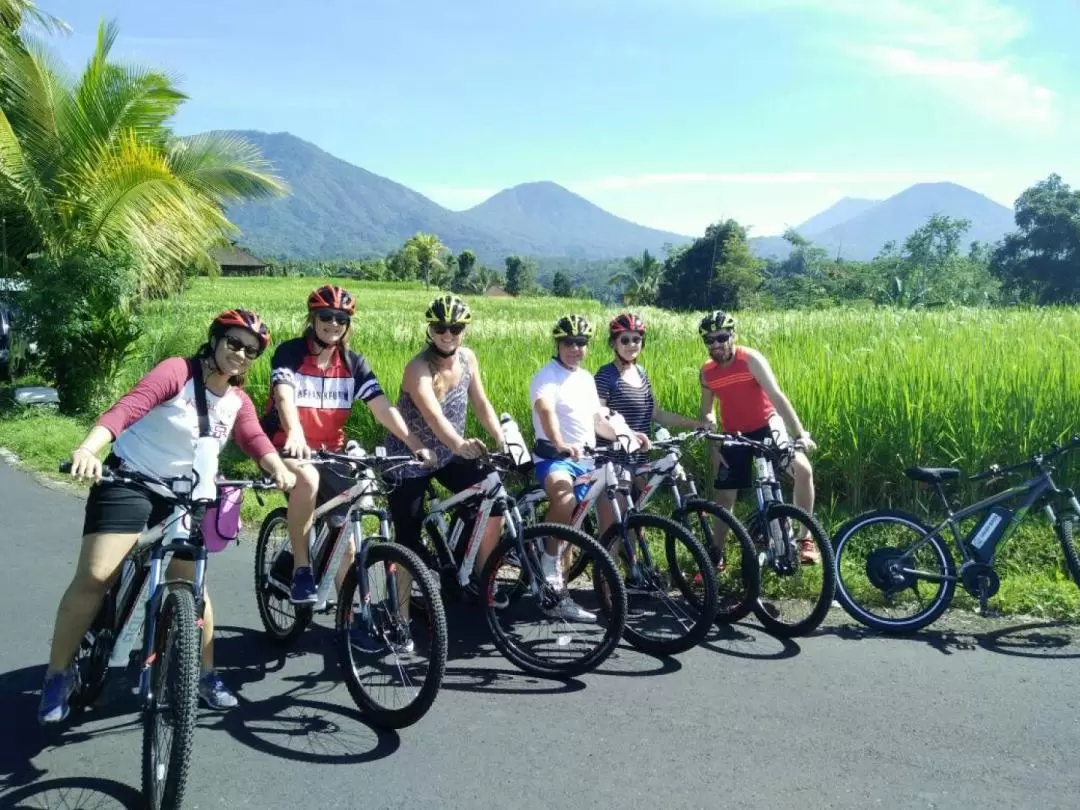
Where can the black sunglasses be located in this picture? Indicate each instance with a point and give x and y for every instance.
(442, 328)
(580, 342)
(721, 337)
(340, 318)
(630, 340)
(237, 345)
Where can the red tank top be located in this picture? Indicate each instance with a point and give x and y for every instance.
(744, 405)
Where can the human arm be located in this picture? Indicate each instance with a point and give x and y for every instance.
(390, 418)
(763, 373)
(418, 384)
(705, 411)
(482, 407)
(675, 420)
(283, 390)
(253, 441)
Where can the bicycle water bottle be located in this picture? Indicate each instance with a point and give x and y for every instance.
(983, 539)
(515, 442)
(663, 434)
(205, 468)
(761, 467)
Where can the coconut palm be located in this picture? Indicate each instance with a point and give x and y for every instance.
(90, 164)
(640, 280)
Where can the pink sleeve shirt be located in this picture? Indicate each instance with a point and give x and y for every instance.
(155, 425)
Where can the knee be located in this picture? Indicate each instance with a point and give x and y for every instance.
(89, 584)
(307, 485)
(801, 468)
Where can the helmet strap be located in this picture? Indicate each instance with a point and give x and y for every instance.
(431, 345)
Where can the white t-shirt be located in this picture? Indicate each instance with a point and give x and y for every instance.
(576, 402)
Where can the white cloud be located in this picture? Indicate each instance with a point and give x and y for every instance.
(615, 182)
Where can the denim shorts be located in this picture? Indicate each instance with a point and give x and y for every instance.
(545, 466)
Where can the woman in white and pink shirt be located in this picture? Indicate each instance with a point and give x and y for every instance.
(153, 429)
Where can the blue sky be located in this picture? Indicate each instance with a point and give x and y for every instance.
(671, 113)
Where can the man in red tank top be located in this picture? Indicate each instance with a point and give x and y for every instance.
(751, 403)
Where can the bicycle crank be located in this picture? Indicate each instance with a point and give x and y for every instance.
(979, 579)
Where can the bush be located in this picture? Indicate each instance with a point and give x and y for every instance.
(81, 316)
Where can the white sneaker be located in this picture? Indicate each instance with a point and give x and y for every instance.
(570, 610)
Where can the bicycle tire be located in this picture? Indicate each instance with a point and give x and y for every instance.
(729, 612)
(279, 633)
(707, 608)
(777, 510)
(92, 658)
(435, 615)
(176, 619)
(851, 604)
(613, 601)
(1063, 529)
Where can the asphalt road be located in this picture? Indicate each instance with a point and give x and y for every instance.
(971, 714)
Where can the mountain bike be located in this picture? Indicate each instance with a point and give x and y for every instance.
(794, 598)
(171, 626)
(371, 620)
(884, 555)
(670, 580)
(577, 623)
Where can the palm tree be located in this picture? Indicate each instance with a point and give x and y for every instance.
(429, 252)
(90, 164)
(640, 280)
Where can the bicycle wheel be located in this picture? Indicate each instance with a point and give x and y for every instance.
(794, 598)
(882, 559)
(1064, 531)
(408, 667)
(738, 584)
(169, 716)
(670, 583)
(283, 620)
(575, 623)
(92, 658)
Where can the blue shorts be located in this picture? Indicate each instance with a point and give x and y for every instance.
(546, 466)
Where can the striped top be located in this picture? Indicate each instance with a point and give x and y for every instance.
(635, 403)
(744, 405)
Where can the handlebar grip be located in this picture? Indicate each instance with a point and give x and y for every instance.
(65, 466)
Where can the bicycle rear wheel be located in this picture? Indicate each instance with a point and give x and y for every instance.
(283, 620)
(1064, 530)
(408, 665)
(169, 715)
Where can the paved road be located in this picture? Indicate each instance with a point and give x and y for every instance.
(982, 716)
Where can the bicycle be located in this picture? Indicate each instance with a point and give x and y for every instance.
(368, 616)
(627, 541)
(518, 554)
(769, 527)
(896, 565)
(170, 653)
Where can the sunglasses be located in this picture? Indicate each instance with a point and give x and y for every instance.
(721, 337)
(442, 329)
(340, 318)
(581, 343)
(630, 340)
(237, 345)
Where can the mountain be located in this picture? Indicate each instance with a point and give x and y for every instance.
(836, 214)
(337, 209)
(865, 233)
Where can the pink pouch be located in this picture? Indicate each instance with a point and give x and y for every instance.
(221, 523)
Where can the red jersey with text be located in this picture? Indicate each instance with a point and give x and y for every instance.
(324, 396)
(744, 405)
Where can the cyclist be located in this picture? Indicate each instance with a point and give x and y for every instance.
(153, 429)
(567, 416)
(438, 385)
(752, 403)
(314, 381)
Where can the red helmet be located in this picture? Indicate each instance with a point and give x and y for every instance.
(330, 296)
(626, 322)
(242, 319)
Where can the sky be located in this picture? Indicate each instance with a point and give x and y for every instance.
(670, 113)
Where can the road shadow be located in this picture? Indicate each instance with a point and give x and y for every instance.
(1027, 640)
(73, 793)
(751, 642)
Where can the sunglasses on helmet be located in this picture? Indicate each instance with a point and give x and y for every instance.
(719, 337)
(453, 329)
(237, 345)
(335, 315)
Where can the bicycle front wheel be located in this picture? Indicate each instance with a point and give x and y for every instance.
(169, 714)
(393, 666)
(555, 626)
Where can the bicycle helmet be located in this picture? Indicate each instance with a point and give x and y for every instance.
(242, 319)
(572, 326)
(626, 322)
(330, 296)
(449, 310)
(714, 322)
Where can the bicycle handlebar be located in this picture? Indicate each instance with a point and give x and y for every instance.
(1036, 461)
(132, 477)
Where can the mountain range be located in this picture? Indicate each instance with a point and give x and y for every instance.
(338, 210)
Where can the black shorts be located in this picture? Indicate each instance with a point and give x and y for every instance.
(331, 484)
(740, 462)
(122, 508)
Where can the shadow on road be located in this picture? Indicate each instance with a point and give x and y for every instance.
(84, 793)
(1028, 640)
(748, 641)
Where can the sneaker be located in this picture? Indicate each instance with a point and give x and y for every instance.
(636, 582)
(215, 693)
(500, 601)
(570, 610)
(303, 587)
(401, 639)
(808, 552)
(55, 692)
(361, 637)
(721, 567)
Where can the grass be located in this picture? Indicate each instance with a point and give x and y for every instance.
(879, 389)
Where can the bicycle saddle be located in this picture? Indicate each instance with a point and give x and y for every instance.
(932, 475)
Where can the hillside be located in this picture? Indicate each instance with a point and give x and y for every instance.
(337, 209)
(836, 214)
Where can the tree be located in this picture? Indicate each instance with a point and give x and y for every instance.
(429, 253)
(1040, 261)
(90, 166)
(716, 271)
(560, 285)
(520, 275)
(466, 260)
(639, 280)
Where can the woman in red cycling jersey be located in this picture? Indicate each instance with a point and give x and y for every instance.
(153, 429)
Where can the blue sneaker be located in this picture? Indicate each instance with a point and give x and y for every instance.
(55, 692)
(215, 693)
(361, 638)
(303, 587)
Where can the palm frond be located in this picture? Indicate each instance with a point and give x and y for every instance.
(224, 167)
